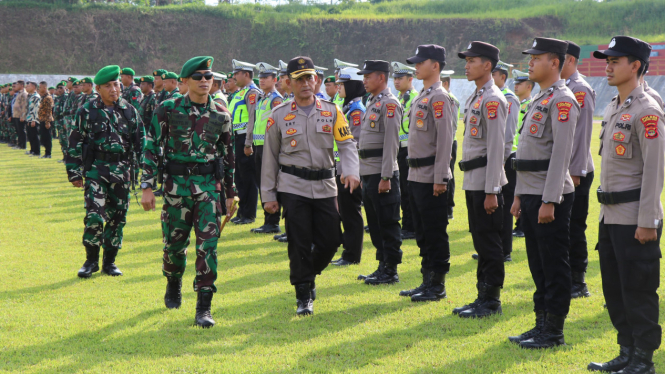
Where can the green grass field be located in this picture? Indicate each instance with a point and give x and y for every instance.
(53, 322)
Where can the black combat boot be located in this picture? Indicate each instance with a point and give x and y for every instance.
(436, 290)
(620, 362)
(376, 272)
(427, 275)
(267, 229)
(203, 303)
(173, 295)
(489, 302)
(540, 322)
(640, 363)
(304, 299)
(472, 305)
(550, 336)
(312, 289)
(108, 265)
(387, 276)
(91, 264)
(579, 286)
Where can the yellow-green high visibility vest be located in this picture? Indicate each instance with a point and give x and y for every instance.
(263, 110)
(406, 101)
(339, 101)
(238, 109)
(524, 107)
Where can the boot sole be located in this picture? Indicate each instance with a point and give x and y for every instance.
(425, 300)
(462, 315)
(542, 347)
(85, 276)
(204, 325)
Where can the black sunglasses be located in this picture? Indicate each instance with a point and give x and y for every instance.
(198, 76)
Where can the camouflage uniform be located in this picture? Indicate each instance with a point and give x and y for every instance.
(192, 137)
(111, 136)
(69, 110)
(59, 123)
(133, 95)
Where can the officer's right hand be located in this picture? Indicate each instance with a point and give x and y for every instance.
(576, 180)
(645, 235)
(271, 207)
(77, 184)
(148, 200)
(351, 182)
(438, 189)
(516, 209)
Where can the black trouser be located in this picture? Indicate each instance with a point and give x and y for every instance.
(311, 221)
(33, 138)
(579, 256)
(486, 231)
(631, 276)
(430, 219)
(45, 137)
(382, 210)
(269, 218)
(451, 182)
(508, 192)
(407, 218)
(547, 250)
(352, 221)
(20, 132)
(245, 178)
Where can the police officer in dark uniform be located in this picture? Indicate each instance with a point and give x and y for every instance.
(631, 214)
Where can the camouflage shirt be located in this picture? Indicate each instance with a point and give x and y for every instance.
(147, 107)
(34, 100)
(133, 95)
(190, 134)
(115, 129)
(58, 106)
(70, 105)
(171, 95)
(84, 98)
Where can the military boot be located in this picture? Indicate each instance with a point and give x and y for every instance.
(640, 363)
(91, 264)
(108, 265)
(173, 295)
(203, 303)
(376, 272)
(312, 288)
(489, 302)
(616, 364)
(435, 291)
(579, 286)
(551, 335)
(427, 275)
(472, 305)
(540, 322)
(387, 276)
(304, 299)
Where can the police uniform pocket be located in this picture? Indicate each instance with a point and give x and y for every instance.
(475, 127)
(293, 139)
(622, 148)
(324, 135)
(420, 119)
(536, 124)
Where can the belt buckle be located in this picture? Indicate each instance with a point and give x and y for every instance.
(188, 171)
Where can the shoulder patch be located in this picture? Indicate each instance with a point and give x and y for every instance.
(438, 109)
(564, 110)
(341, 129)
(650, 123)
(252, 98)
(492, 107)
(580, 98)
(270, 123)
(356, 117)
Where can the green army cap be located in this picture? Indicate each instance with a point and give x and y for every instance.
(148, 78)
(64, 83)
(194, 64)
(75, 82)
(170, 75)
(61, 84)
(330, 79)
(179, 79)
(88, 80)
(256, 81)
(107, 74)
(229, 75)
(128, 71)
(158, 72)
(137, 80)
(51, 88)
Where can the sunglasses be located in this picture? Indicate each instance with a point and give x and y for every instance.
(199, 76)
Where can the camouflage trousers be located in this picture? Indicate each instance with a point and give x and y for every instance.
(179, 215)
(62, 135)
(105, 202)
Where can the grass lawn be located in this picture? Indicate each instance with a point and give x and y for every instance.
(53, 322)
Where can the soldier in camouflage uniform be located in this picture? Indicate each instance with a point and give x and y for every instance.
(170, 86)
(70, 106)
(132, 93)
(4, 131)
(147, 105)
(103, 145)
(59, 121)
(87, 93)
(195, 133)
(160, 92)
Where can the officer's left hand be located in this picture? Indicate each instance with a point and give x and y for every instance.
(48, 125)
(32, 124)
(384, 186)
(352, 182)
(576, 180)
(645, 235)
(248, 151)
(546, 213)
(439, 189)
(229, 206)
(491, 203)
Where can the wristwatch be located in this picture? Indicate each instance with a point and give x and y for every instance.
(385, 178)
(146, 185)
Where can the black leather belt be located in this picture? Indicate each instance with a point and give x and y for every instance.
(609, 198)
(531, 165)
(367, 153)
(473, 164)
(174, 168)
(420, 162)
(110, 157)
(308, 174)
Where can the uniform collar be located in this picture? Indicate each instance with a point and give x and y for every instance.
(485, 87)
(317, 105)
(573, 77)
(638, 92)
(434, 86)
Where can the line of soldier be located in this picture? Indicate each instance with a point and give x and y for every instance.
(318, 160)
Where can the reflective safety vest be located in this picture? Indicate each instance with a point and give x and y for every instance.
(219, 95)
(263, 110)
(406, 101)
(524, 107)
(238, 108)
(339, 101)
(356, 105)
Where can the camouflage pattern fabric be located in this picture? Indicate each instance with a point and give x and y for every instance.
(133, 95)
(59, 121)
(105, 202)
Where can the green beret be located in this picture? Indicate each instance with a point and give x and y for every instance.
(196, 63)
(179, 79)
(170, 75)
(148, 78)
(330, 79)
(64, 83)
(137, 80)
(128, 71)
(51, 88)
(61, 84)
(86, 80)
(230, 75)
(256, 81)
(158, 72)
(75, 82)
(107, 74)
(72, 79)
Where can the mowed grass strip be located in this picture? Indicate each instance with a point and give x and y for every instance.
(53, 322)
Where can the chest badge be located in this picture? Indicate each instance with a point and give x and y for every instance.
(474, 131)
(291, 131)
(618, 136)
(537, 116)
(420, 123)
(372, 124)
(626, 117)
(326, 128)
(473, 120)
(425, 100)
(533, 129)
(620, 150)
(289, 117)
(547, 100)
(326, 113)
(294, 143)
(372, 117)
